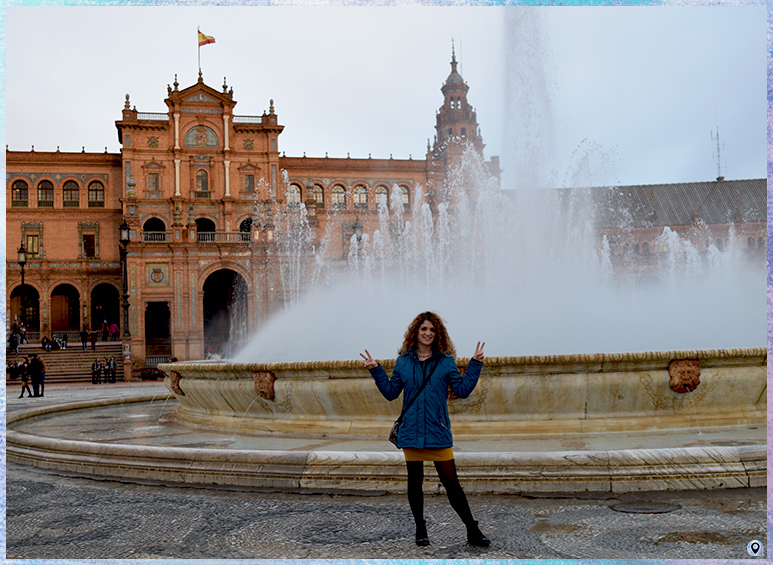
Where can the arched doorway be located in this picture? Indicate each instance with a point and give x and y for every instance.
(104, 305)
(65, 309)
(225, 312)
(31, 306)
(158, 337)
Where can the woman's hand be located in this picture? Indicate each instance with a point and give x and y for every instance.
(478, 356)
(369, 362)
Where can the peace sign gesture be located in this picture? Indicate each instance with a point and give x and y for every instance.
(369, 362)
(478, 355)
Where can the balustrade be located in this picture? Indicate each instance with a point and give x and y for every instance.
(201, 237)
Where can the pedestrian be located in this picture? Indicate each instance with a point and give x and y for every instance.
(96, 372)
(63, 342)
(424, 371)
(13, 343)
(22, 333)
(106, 369)
(112, 365)
(93, 339)
(25, 380)
(42, 376)
(114, 331)
(84, 338)
(35, 369)
(105, 330)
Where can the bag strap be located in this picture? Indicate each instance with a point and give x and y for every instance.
(418, 392)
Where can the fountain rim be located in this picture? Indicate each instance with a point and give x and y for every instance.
(602, 361)
(383, 471)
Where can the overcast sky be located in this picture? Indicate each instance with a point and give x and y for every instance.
(617, 95)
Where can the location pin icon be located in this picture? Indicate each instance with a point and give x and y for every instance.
(754, 548)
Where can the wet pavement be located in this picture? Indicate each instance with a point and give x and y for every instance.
(67, 517)
(153, 423)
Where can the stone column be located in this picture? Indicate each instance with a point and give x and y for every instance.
(177, 130)
(225, 132)
(177, 177)
(227, 165)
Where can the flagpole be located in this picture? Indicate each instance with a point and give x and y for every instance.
(198, 31)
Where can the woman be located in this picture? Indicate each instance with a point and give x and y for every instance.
(425, 431)
(96, 372)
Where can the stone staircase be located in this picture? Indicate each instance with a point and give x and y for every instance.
(71, 365)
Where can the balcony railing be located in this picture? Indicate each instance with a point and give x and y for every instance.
(156, 236)
(224, 237)
(202, 237)
(152, 116)
(248, 119)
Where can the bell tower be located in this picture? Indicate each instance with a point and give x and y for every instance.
(456, 122)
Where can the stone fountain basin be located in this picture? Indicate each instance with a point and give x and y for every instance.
(559, 394)
(288, 426)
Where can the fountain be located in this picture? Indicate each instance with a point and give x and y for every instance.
(563, 308)
(577, 391)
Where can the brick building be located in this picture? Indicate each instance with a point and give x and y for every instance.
(211, 201)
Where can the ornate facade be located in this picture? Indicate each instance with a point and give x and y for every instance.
(209, 198)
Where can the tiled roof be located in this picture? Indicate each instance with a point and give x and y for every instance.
(714, 202)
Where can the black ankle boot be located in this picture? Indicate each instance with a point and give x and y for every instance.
(422, 539)
(476, 537)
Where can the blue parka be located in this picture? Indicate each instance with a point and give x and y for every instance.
(426, 423)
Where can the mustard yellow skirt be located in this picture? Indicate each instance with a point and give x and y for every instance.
(442, 454)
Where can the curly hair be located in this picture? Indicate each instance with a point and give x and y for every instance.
(442, 343)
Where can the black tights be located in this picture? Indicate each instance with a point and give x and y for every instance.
(446, 470)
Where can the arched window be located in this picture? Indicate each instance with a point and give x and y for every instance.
(71, 193)
(205, 229)
(154, 229)
(760, 242)
(626, 249)
(406, 197)
(245, 227)
(293, 195)
(750, 243)
(339, 197)
(319, 195)
(202, 184)
(45, 194)
(360, 196)
(382, 195)
(719, 245)
(645, 248)
(20, 194)
(154, 224)
(96, 195)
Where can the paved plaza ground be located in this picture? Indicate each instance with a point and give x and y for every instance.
(50, 516)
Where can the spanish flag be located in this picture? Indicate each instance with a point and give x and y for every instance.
(205, 39)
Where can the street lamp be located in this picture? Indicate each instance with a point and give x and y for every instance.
(22, 260)
(123, 238)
